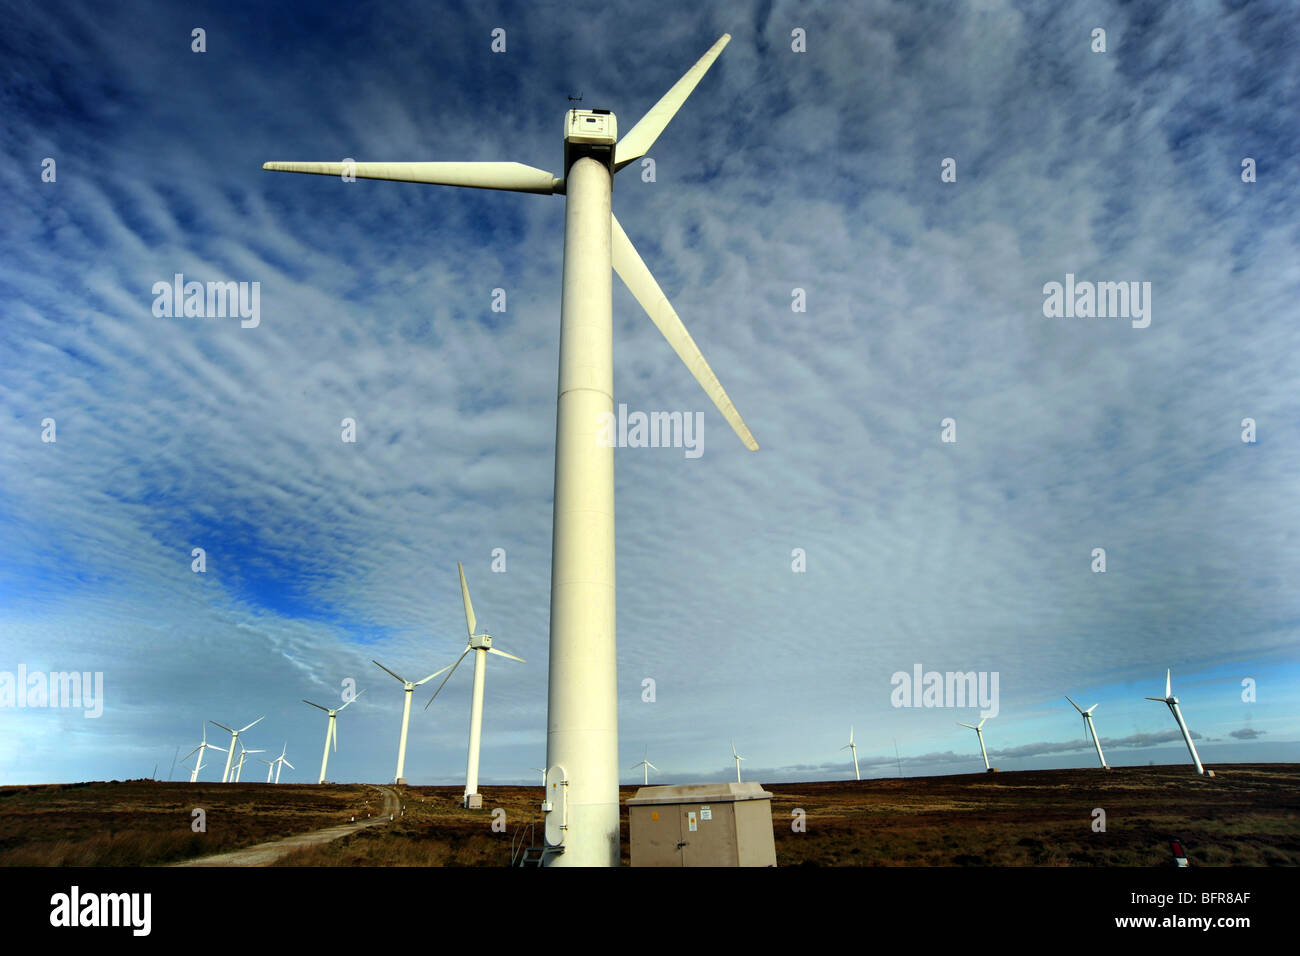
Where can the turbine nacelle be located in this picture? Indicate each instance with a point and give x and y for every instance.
(591, 134)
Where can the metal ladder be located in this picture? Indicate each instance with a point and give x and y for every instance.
(523, 851)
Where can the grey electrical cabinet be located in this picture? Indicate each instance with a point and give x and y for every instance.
(704, 824)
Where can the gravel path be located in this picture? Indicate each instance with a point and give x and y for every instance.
(264, 854)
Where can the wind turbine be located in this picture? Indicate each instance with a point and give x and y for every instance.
(738, 758)
(582, 806)
(409, 687)
(331, 732)
(281, 762)
(542, 771)
(234, 739)
(270, 767)
(1087, 722)
(239, 768)
(979, 733)
(646, 766)
(198, 764)
(481, 644)
(853, 747)
(1172, 701)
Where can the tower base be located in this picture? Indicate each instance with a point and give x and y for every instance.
(473, 801)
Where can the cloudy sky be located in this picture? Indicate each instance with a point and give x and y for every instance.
(770, 596)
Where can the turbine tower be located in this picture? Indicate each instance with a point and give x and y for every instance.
(1087, 722)
(582, 801)
(409, 687)
(979, 733)
(646, 766)
(198, 764)
(234, 739)
(853, 747)
(1172, 701)
(738, 758)
(481, 644)
(331, 732)
(239, 767)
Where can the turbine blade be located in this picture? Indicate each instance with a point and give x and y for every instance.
(515, 177)
(215, 747)
(493, 650)
(254, 723)
(960, 724)
(386, 670)
(641, 137)
(1076, 706)
(1168, 689)
(448, 677)
(358, 694)
(636, 276)
(224, 727)
(470, 620)
(1158, 699)
(290, 766)
(981, 723)
(433, 675)
(192, 752)
(317, 706)
(650, 765)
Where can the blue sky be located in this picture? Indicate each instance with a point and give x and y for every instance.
(818, 171)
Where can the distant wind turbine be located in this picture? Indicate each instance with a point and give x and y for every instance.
(203, 745)
(853, 747)
(281, 762)
(239, 767)
(979, 733)
(646, 766)
(481, 644)
(1172, 701)
(1087, 723)
(542, 771)
(331, 731)
(409, 688)
(234, 739)
(738, 758)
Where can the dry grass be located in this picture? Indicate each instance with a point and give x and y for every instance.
(143, 822)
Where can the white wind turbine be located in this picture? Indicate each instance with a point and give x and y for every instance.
(331, 732)
(1172, 701)
(646, 766)
(979, 733)
(239, 767)
(409, 688)
(1087, 722)
(234, 739)
(270, 768)
(198, 764)
(853, 747)
(481, 644)
(582, 807)
(738, 758)
(542, 771)
(281, 762)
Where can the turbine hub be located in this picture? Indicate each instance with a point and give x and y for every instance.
(483, 641)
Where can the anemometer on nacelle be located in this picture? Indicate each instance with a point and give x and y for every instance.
(590, 133)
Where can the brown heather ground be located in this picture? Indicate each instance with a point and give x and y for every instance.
(1246, 816)
(141, 822)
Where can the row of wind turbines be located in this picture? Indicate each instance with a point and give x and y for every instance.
(478, 642)
(1169, 699)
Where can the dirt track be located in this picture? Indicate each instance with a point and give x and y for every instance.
(264, 854)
